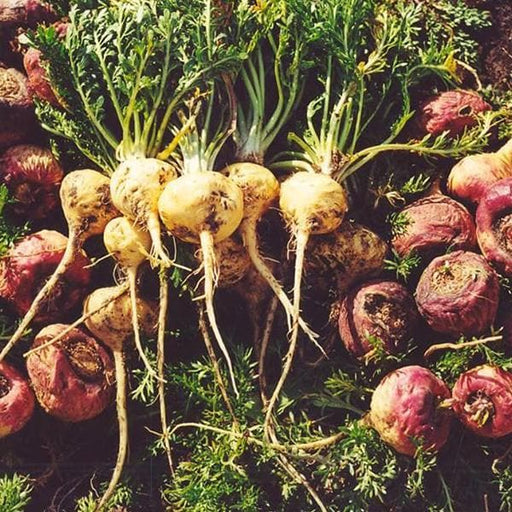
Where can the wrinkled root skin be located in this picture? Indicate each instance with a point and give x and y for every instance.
(458, 294)
(482, 401)
(381, 309)
(32, 176)
(38, 83)
(27, 266)
(16, 400)
(435, 223)
(351, 252)
(451, 111)
(494, 226)
(404, 410)
(73, 378)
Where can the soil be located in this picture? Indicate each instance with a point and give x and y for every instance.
(496, 43)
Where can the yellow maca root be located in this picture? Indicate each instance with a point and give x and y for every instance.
(130, 247)
(311, 204)
(111, 324)
(87, 206)
(205, 208)
(261, 189)
(136, 186)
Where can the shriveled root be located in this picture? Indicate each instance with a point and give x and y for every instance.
(460, 346)
(132, 278)
(164, 301)
(249, 236)
(122, 420)
(207, 247)
(302, 240)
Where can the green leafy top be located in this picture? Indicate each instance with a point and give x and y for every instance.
(269, 83)
(369, 56)
(125, 68)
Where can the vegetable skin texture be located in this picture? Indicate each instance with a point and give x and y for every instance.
(435, 224)
(404, 410)
(136, 186)
(350, 252)
(16, 107)
(112, 325)
(311, 204)
(381, 309)
(87, 207)
(452, 111)
(73, 378)
(493, 221)
(204, 207)
(24, 12)
(32, 176)
(482, 401)
(16, 400)
(458, 294)
(29, 264)
(130, 248)
(469, 179)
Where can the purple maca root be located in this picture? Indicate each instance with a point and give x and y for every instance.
(72, 378)
(378, 311)
(482, 401)
(434, 224)
(458, 294)
(406, 410)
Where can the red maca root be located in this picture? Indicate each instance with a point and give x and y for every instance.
(494, 225)
(405, 410)
(469, 179)
(25, 12)
(16, 400)
(378, 311)
(28, 265)
(458, 294)
(482, 400)
(434, 224)
(451, 111)
(33, 176)
(72, 378)
(16, 108)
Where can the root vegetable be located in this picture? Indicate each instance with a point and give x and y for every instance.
(32, 176)
(493, 224)
(458, 294)
(136, 186)
(16, 400)
(112, 325)
(377, 311)
(451, 111)
(38, 83)
(482, 401)
(28, 265)
(25, 12)
(130, 248)
(349, 253)
(311, 204)
(435, 224)
(204, 207)
(73, 378)
(405, 410)
(85, 200)
(16, 107)
(469, 178)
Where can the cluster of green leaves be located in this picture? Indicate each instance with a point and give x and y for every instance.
(15, 492)
(125, 68)
(457, 24)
